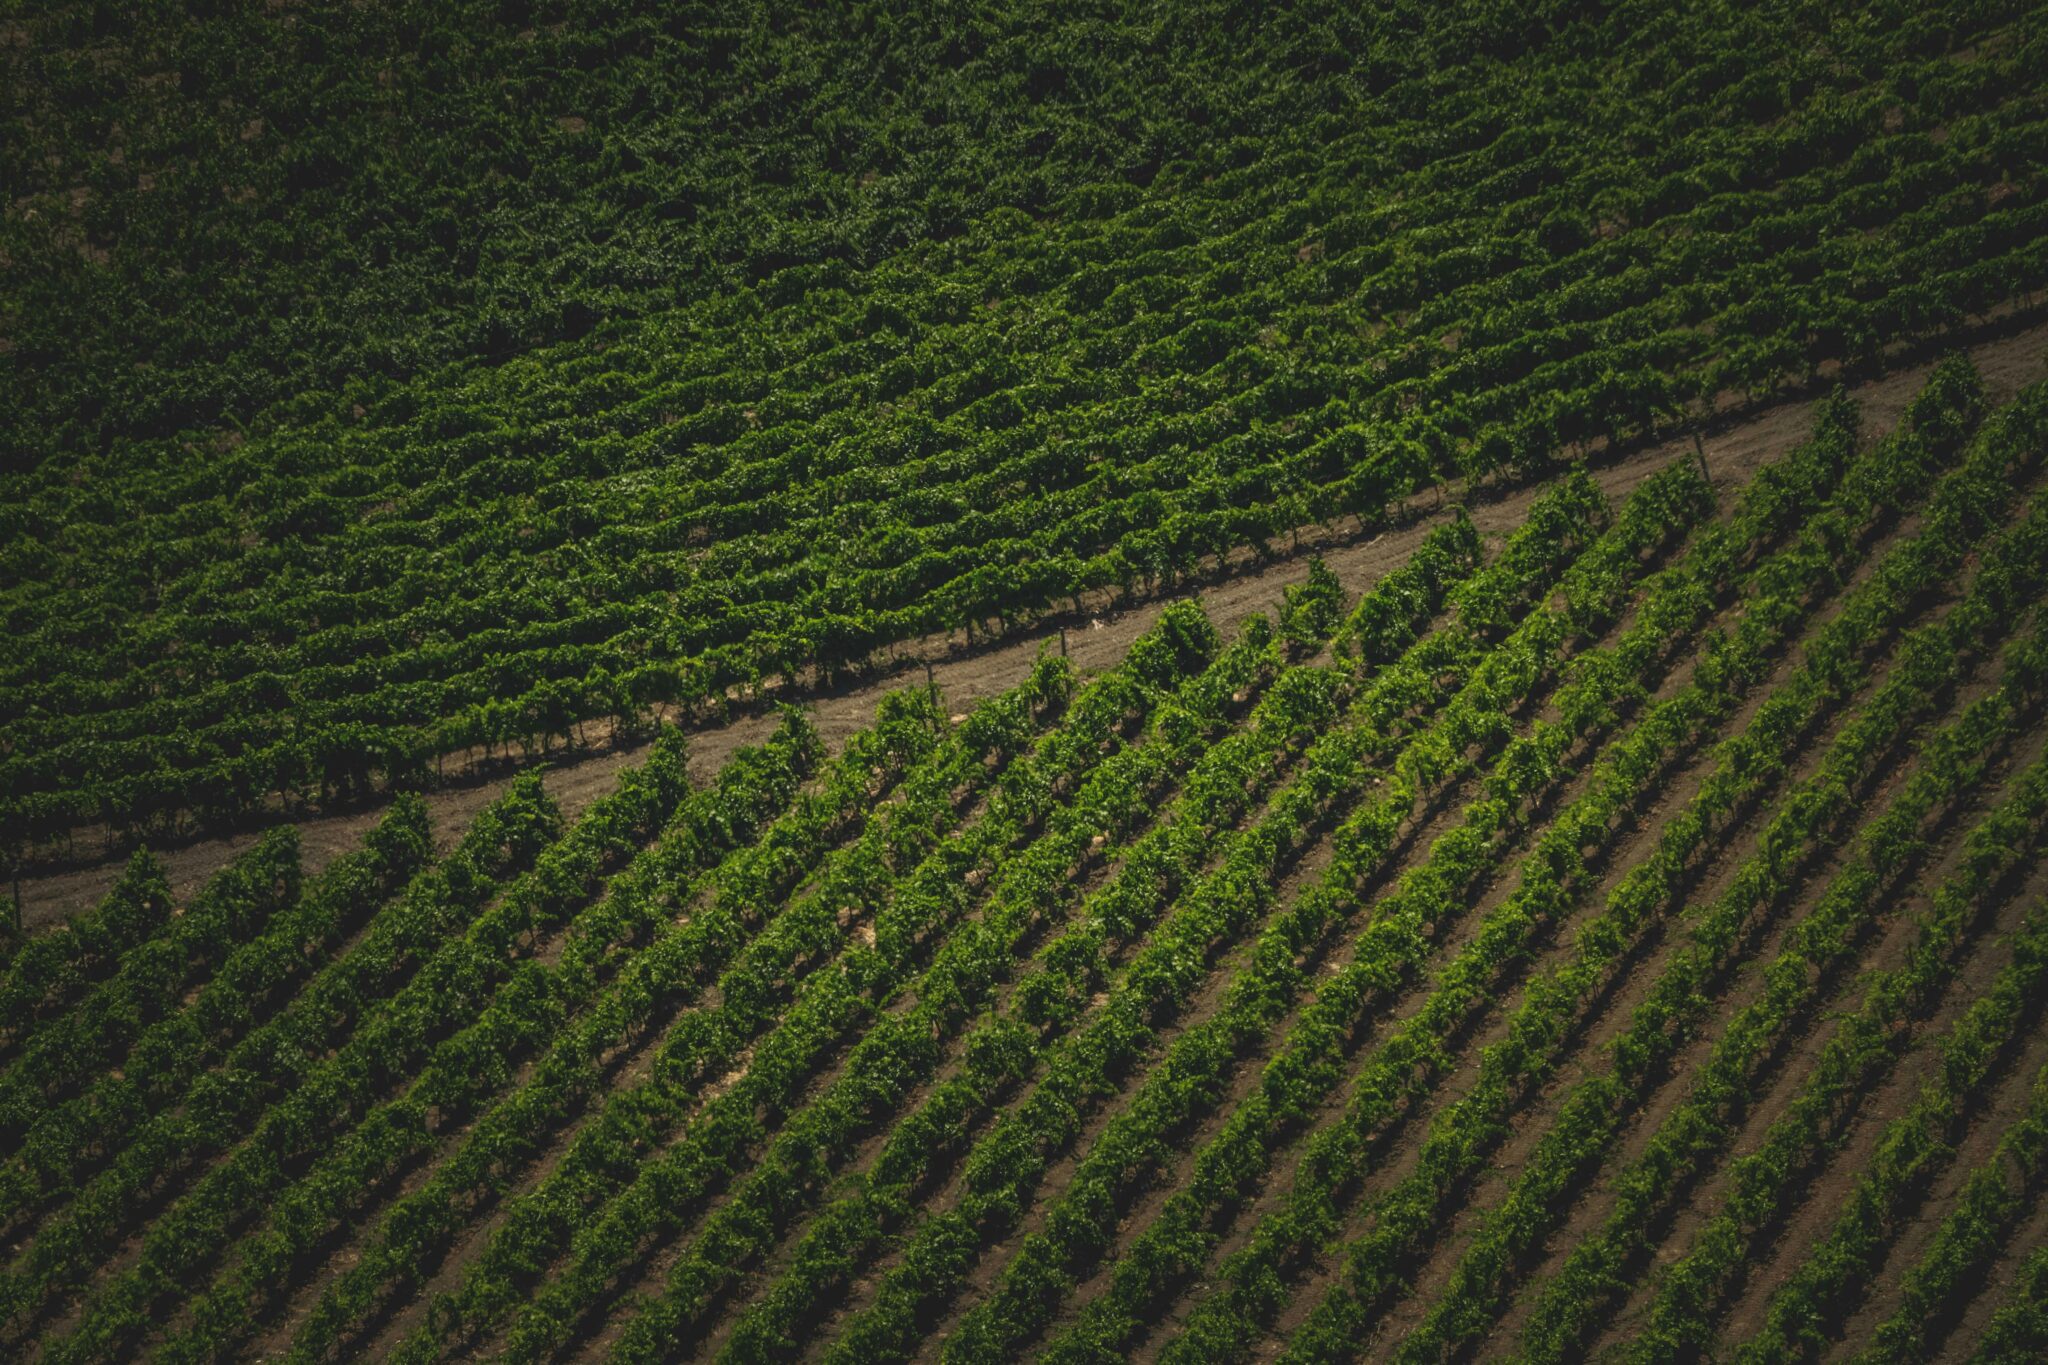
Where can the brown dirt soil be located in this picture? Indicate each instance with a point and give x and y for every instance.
(630, 1065)
(1588, 1057)
(1438, 814)
(1733, 453)
(1762, 942)
(1515, 1151)
(1395, 1155)
(1147, 1201)
(648, 1281)
(1206, 1000)
(2005, 1096)
(646, 1276)
(1993, 1289)
(1810, 1217)
(1444, 814)
(944, 1188)
(1882, 947)
(1631, 981)
(1398, 1145)
(578, 778)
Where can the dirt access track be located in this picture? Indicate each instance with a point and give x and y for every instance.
(1733, 453)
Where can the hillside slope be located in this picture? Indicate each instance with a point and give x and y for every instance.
(391, 383)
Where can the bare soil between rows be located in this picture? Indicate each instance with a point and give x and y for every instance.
(576, 778)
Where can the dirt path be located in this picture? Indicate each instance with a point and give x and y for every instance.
(2007, 363)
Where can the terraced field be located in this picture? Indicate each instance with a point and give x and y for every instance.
(1086, 686)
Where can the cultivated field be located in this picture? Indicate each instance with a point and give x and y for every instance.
(1622, 931)
(830, 686)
